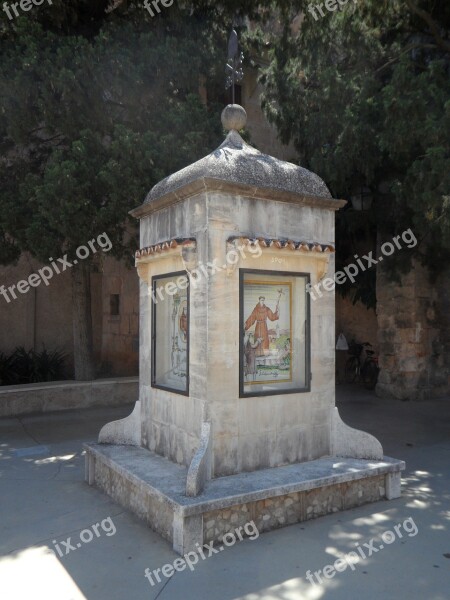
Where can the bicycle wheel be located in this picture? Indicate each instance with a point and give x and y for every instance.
(370, 375)
(351, 369)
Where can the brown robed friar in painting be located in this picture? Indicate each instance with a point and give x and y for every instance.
(260, 314)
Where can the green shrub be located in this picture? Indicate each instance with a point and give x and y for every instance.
(5, 369)
(29, 366)
(49, 366)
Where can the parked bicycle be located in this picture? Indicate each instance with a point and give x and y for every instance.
(365, 370)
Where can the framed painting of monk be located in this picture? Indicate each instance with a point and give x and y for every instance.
(170, 333)
(275, 333)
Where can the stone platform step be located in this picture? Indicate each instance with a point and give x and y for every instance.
(154, 488)
(168, 480)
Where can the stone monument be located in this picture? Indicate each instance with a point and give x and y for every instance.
(236, 418)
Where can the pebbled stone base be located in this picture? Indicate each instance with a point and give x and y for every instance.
(154, 489)
(280, 511)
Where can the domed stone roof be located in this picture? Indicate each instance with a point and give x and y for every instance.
(235, 161)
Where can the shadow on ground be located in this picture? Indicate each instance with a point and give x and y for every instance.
(44, 501)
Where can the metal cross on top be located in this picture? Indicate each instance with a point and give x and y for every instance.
(234, 70)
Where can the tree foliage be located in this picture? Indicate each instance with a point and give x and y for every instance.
(98, 102)
(90, 123)
(364, 95)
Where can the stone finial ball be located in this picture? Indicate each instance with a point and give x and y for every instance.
(234, 117)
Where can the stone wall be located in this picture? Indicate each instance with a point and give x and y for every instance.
(171, 423)
(250, 433)
(18, 400)
(43, 316)
(413, 320)
(443, 319)
(280, 511)
(131, 494)
(262, 432)
(119, 333)
(356, 322)
(154, 489)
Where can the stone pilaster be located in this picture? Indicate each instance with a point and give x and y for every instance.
(413, 332)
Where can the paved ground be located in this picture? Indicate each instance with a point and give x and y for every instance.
(44, 501)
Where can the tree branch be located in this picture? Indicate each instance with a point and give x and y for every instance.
(52, 138)
(434, 27)
(412, 47)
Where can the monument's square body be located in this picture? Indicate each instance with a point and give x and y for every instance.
(236, 419)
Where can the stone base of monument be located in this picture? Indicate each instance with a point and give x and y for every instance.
(154, 489)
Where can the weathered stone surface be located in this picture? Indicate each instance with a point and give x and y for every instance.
(125, 432)
(237, 162)
(349, 442)
(18, 400)
(167, 480)
(154, 489)
(200, 468)
(187, 531)
(246, 434)
(234, 117)
(393, 485)
(413, 334)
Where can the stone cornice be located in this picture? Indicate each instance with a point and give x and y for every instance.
(281, 244)
(164, 247)
(185, 248)
(207, 184)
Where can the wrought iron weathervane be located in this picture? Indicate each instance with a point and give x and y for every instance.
(234, 68)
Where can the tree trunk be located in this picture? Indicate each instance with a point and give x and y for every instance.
(82, 323)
